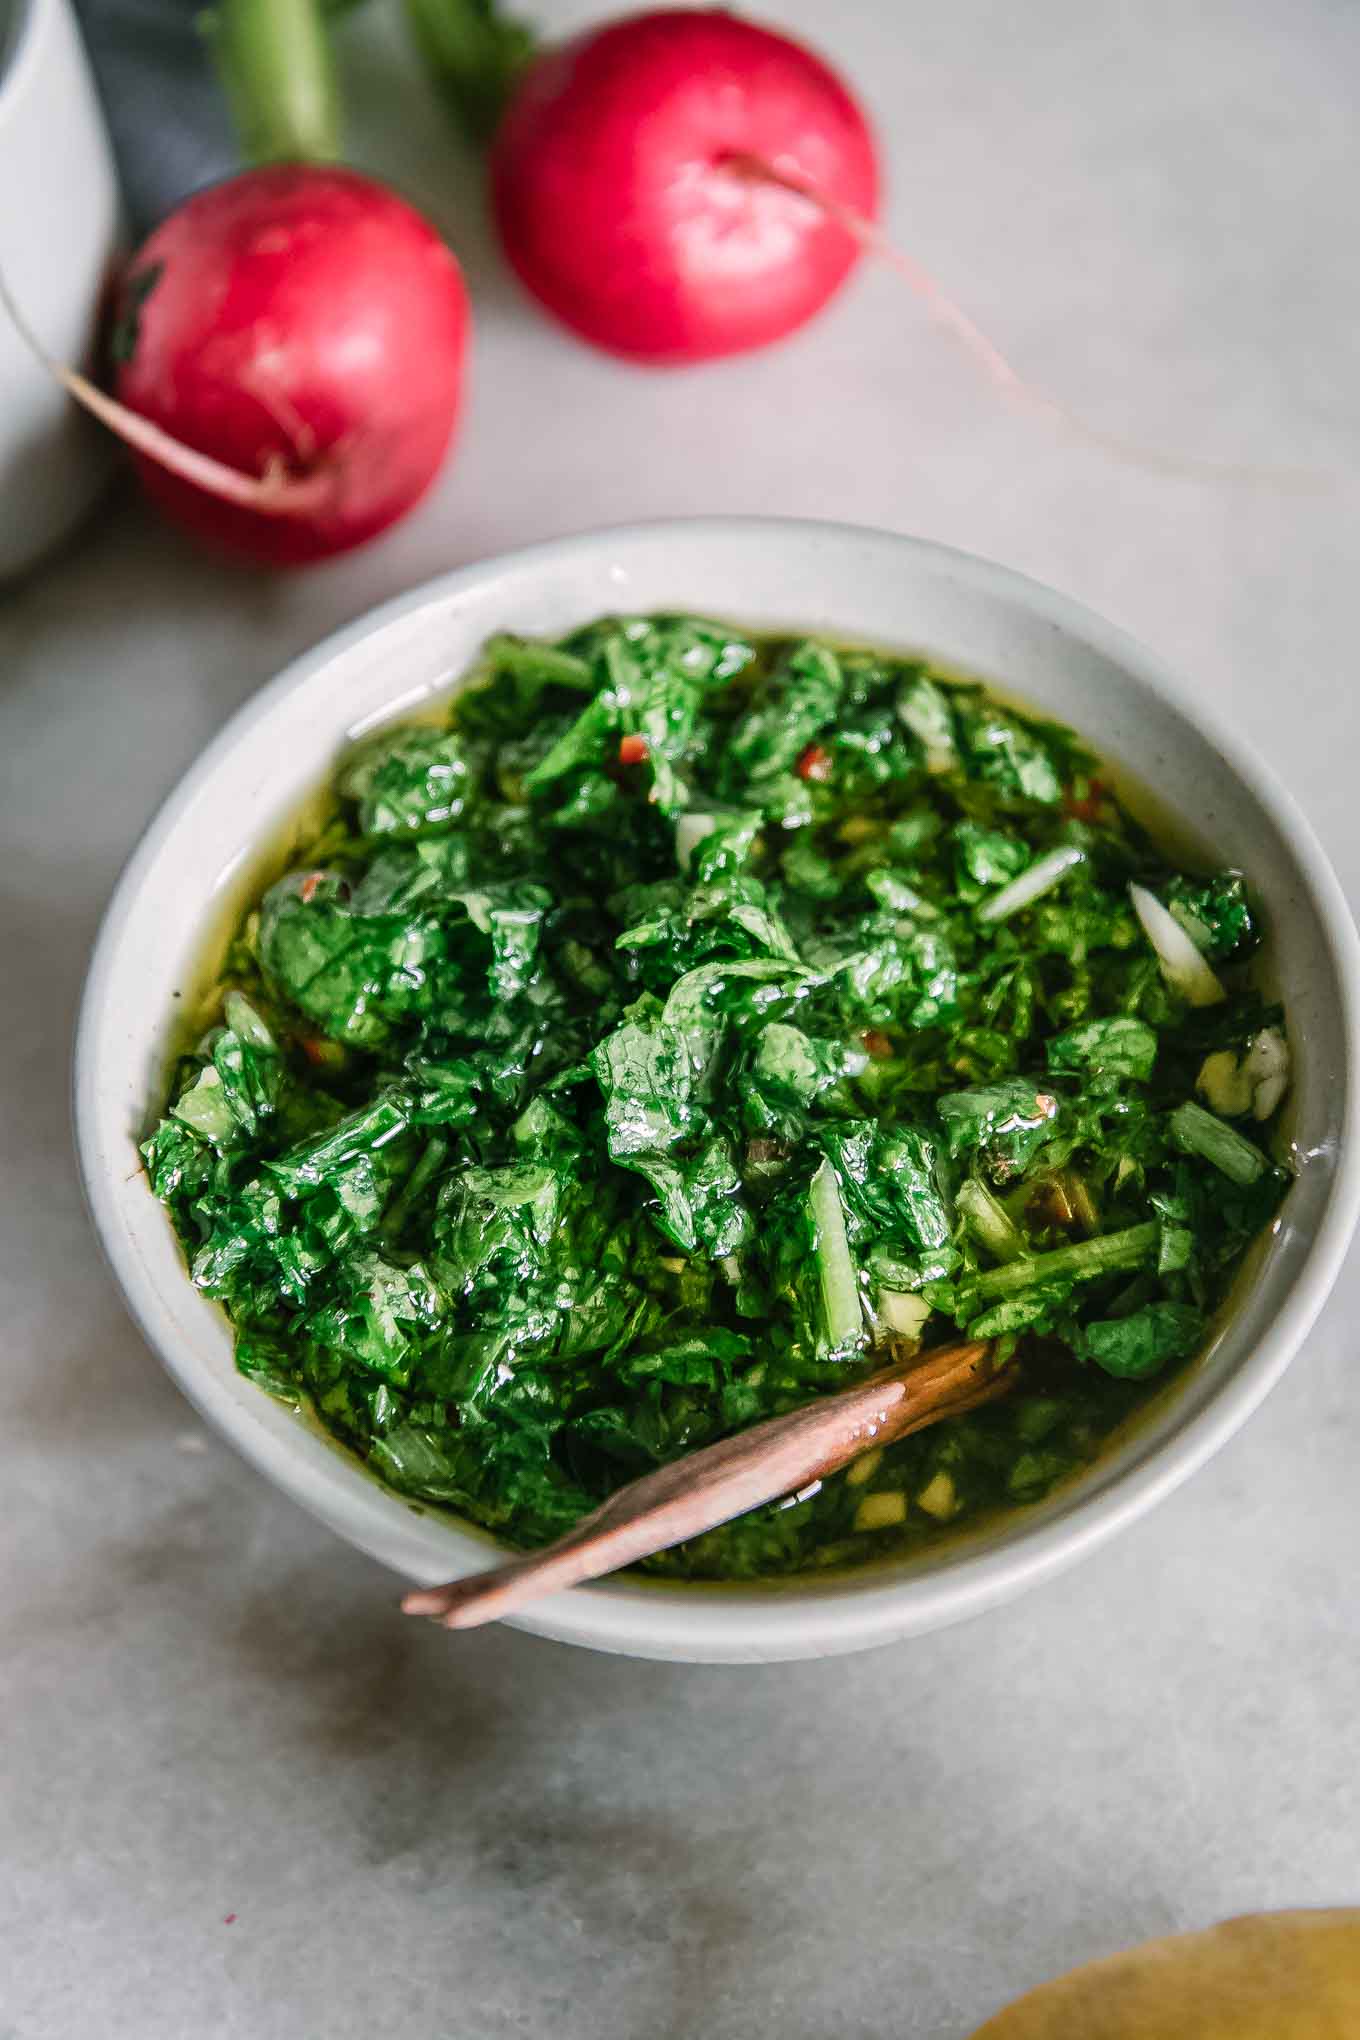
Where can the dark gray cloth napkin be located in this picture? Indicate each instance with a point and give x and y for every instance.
(164, 107)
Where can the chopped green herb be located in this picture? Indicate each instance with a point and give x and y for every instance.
(1215, 913)
(690, 1017)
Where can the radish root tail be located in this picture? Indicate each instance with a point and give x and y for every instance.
(954, 320)
(278, 492)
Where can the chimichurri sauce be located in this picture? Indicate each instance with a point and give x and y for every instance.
(536, 1080)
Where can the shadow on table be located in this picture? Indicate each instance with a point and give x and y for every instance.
(478, 1759)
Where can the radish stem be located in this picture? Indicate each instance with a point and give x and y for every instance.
(476, 55)
(274, 60)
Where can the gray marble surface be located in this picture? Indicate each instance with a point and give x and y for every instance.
(238, 1795)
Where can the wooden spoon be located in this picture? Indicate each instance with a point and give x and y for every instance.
(707, 1488)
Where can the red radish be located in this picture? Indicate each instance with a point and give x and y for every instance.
(305, 327)
(289, 344)
(633, 189)
(682, 184)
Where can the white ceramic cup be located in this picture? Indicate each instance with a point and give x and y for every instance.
(59, 238)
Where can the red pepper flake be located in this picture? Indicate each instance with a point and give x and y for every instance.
(633, 751)
(309, 886)
(1089, 808)
(815, 763)
(1044, 1105)
(878, 1045)
(230, 1920)
(318, 1053)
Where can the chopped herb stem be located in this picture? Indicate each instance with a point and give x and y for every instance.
(1107, 1254)
(843, 1311)
(1200, 1132)
(989, 1222)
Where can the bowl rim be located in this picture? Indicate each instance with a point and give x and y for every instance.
(798, 1618)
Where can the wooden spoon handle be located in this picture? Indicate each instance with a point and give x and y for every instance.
(710, 1487)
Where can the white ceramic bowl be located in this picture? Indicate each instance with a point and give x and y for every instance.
(847, 583)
